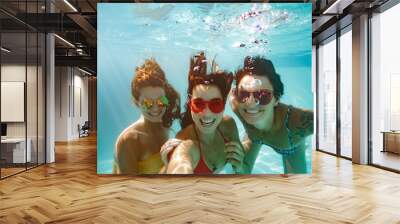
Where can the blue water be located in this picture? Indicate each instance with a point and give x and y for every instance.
(171, 33)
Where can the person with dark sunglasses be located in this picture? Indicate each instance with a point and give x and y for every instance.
(208, 139)
(267, 121)
(137, 149)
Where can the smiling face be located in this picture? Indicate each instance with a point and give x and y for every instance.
(253, 112)
(151, 95)
(206, 120)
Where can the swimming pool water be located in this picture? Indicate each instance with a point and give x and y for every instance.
(171, 33)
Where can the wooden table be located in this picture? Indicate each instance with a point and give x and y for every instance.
(391, 141)
(13, 150)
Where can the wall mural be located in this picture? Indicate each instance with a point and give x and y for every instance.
(204, 88)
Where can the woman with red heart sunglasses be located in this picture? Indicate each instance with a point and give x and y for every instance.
(209, 139)
(256, 101)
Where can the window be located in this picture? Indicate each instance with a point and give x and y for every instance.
(346, 93)
(385, 89)
(327, 95)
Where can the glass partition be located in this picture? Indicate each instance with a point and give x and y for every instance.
(22, 88)
(41, 91)
(14, 151)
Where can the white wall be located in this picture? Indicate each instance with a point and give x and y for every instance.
(13, 73)
(13, 101)
(70, 84)
(80, 110)
(16, 73)
(61, 103)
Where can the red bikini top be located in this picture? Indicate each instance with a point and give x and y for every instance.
(201, 167)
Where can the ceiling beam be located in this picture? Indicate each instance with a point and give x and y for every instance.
(82, 61)
(84, 24)
(337, 6)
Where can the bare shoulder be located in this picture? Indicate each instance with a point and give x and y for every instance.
(280, 112)
(127, 139)
(186, 133)
(301, 121)
(298, 116)
(127, 151)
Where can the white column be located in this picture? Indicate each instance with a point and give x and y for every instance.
(50, 110)
(50, 93)
(360, 90)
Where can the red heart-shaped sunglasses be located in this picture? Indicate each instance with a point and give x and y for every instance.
(215, 105)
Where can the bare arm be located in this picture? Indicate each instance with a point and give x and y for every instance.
(252, 150)
(126, 154)
(184, 158)
(234, 149)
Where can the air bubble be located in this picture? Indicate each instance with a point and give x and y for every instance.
(254, 83)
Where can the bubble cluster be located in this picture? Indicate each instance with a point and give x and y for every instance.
(254, 83)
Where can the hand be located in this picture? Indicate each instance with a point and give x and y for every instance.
(235, 155)
(182, 158)
(168, 147)
(233, 101)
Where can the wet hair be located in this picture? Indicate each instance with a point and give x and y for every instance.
(151, 74)
(198, 75)
(263, 67)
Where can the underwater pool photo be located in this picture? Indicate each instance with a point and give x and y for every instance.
(172, 33)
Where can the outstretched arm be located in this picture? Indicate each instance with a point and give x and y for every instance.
(183, 159)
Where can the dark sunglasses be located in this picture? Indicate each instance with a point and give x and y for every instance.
(215, 105)
(262, 96)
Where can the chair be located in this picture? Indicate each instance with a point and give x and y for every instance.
(84, 130)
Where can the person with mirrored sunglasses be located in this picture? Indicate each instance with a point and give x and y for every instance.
(137, 149)
(208, 139)
(267, 121)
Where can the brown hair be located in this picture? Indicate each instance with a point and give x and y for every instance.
(151, 74)
(263, 67)
(198, 75)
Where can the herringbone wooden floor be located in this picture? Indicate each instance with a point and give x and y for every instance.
(70, 191)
